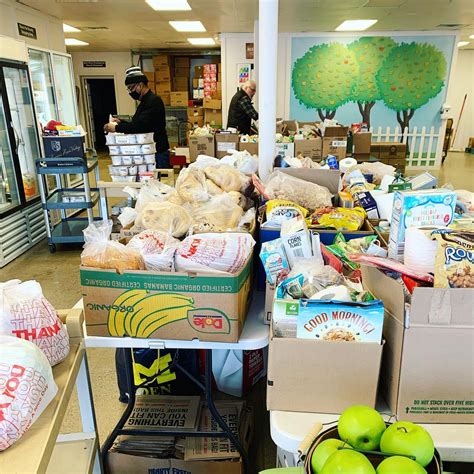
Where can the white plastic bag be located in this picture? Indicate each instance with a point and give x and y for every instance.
(242, 160)
(227, 252)
(191, 185)
(157, 249)
(127, 217)
(26, 387)
(25, 313)
(152, 191)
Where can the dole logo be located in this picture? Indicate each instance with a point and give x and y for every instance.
(209, 320)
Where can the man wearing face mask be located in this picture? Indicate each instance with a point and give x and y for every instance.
(241, 110)
(149, 116)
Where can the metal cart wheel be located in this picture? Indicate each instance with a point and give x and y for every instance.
(52, 248)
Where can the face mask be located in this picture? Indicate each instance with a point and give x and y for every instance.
(135, 95)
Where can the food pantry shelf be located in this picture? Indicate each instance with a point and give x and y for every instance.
(56, 200)
(32, 453)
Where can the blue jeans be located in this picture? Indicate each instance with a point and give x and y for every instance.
(163, 160)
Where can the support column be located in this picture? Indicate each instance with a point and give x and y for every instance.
(267, 82)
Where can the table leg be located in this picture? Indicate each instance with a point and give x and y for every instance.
(216, 415)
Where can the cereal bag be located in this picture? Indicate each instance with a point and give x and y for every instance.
(454, 266)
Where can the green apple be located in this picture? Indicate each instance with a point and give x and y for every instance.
(347, 461)
(323, 451)
(404, 437)
(399, 464)
(361, 427)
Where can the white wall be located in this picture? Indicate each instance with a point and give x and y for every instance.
(49, 30)
(462, 82)
(116, 63)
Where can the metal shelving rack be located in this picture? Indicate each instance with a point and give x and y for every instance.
(69, 229)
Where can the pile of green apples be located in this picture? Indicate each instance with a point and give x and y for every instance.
(409, 448)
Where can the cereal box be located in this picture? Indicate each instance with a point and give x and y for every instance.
(417, 209)
(340, 321)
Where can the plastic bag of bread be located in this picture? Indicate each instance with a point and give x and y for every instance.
(191, 185)
(152, 191)
(226, 252)
(220, 214)
(243, 201)
(308, 195)
(225, 176)
(164, 217)
(27, 314)
(157, 249)
(101, 252)
(26, 387)
(212, 188)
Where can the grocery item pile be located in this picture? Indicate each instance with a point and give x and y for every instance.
(132, 155)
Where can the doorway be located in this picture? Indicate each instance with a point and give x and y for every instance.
(99, 103)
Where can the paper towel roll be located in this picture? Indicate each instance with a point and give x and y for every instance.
(347, 163)
(420, 250)
(339, 293)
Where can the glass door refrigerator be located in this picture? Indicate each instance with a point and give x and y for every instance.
(19, 148)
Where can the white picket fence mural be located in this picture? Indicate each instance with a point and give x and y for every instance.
(425, 147)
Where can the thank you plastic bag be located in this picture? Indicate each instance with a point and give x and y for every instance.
(25, 313)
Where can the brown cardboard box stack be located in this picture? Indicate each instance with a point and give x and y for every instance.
(196, 116)
(361, 143)
(162, 77)
(335, 142)
(180, 81)
(390, 153)
(226, 141)
(212, 112)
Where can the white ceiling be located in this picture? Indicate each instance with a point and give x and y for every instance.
(132, 24)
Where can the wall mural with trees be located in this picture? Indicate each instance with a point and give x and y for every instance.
(382, 80)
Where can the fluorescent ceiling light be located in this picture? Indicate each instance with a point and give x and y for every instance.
(194, 26)
(202, 41)
(355, 25)
(472, 37)
(462, 43)
(168, 5)
(74, 42)
(70, 29)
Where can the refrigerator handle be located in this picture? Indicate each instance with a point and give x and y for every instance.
(17, 137)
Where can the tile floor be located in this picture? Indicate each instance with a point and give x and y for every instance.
(59, 277)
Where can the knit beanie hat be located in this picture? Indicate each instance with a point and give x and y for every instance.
(133, 75)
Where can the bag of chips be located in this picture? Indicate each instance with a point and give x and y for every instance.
(454, 264)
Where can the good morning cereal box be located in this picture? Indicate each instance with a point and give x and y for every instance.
(340, 321)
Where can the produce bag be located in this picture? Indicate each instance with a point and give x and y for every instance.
(164, 217)
(25, 313)
(101, 252)
(304, 193)
(226, 252)
(157, 249)
(26, 387)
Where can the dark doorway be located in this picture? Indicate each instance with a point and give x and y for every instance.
(102, 103)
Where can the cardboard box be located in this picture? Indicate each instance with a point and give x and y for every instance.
(337, 131)
(197, 121)
(285, 149)
(210, 68)
(198, 71)
(163, 87)
(195, 83)
(288, 127)
(216, 311)
(388, 151)
(269, 297)
(165, 98)
(150, 76)
(213, 117)
(426, 374)
(226, 141)
(336, 146)
(181, 61)
(151, 85)
(216, 95)
(161, 60)
(212, 104)
(181, 83)
(321, 376)
(252, 148)
(311, 147)
(200, 146)
(182, 71)
(163, 73)
(361, 143)
(195, 112)
(179, 99)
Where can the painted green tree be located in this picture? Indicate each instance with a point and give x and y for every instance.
(411, 75)
(370, 53)
(324, 77)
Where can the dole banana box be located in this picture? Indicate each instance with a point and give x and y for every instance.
(145, 304)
